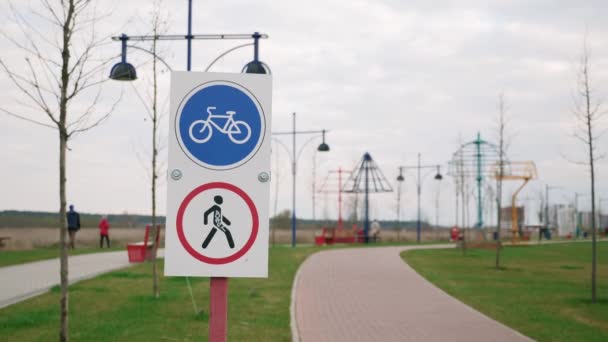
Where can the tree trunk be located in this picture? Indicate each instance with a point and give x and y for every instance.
(592, 169)
(63, 332)
(155, 289)
(63, 140)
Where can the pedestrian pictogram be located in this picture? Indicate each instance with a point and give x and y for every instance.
(201, 222)
(220, 222)
(220, 125)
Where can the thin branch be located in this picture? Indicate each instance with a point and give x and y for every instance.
(100, 120)
(27, 119)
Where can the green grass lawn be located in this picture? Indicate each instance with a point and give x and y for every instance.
(543, 291)
(118, 306)
(8, 258)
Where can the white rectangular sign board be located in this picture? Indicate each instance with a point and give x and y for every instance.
(218, 175)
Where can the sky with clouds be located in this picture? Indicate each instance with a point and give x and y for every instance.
(392, 78)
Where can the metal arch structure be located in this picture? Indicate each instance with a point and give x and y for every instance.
(515, 170)
(474, 159)
(329, 187)
(366, 177)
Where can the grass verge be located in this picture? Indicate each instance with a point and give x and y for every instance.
(542, 291)
(118, 306)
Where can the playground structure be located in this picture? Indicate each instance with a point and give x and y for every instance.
(524, 171)
(365, 178)
(474, 159)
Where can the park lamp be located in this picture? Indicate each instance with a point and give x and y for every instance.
(438, 176)
(323, 147)
(400, 177)
(123, 71)
(256, 66)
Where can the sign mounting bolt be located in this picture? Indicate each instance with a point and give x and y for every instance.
(263, 177)
(176, 174)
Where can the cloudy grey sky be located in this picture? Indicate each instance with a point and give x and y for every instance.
(393, 78)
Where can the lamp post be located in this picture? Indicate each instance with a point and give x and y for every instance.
(124, 71)
(419, 180)
(400, 180)
(323, 147)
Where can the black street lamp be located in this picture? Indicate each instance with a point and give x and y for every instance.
(419, 180)
(124, 71)
(323, 147)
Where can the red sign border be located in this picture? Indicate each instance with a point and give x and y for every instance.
(240, 252)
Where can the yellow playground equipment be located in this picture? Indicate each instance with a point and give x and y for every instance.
(518, 170)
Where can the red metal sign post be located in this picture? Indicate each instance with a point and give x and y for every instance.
(218, 309)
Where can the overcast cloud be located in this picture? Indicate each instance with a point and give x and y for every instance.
(393, 78)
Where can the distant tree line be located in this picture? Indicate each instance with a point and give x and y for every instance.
(39, 219)
(283, 221)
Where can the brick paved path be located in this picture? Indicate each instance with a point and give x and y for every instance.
(370, 294)
(24, 281)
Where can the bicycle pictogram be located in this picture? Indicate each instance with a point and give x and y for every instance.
(238, 131)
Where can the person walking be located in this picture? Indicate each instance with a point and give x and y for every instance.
(73, 224)
(104, 227)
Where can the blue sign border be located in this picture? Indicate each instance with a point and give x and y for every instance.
(246, 92)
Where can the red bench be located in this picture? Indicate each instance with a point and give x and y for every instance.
(144, 251)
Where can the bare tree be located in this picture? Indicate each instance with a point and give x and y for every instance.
(588, 111)
(502, 149)
(154, 115)
(62, 68)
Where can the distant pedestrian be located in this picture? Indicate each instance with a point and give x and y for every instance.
(104, 228)
(73, 224)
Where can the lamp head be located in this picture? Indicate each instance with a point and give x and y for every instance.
(323, 147)
(400, 178)
(256, 67)
(123, 71)
(438, 176)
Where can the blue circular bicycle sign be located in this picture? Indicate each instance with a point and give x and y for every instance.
(220, 125)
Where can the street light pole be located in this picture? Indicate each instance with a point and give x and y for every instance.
(189, 36)
(293, 179)
(323, 147)
(419, 180)
(418, 188)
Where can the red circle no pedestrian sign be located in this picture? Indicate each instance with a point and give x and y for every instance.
(217, 223)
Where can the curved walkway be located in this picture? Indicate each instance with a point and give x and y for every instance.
(370, 294)
(20, 282)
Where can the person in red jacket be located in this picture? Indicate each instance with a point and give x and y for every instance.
(104, 228)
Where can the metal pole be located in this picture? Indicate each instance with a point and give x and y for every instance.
(314, 185)
(547, 206)
(189, 36)
(123, 39)
(256, 38)
(576, 225)
(479, 206)
(293, 192)
(418, 189)
(366, 226)
(399, 198)
(340, 199)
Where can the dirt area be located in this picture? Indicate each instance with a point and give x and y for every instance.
(281, 236)
(29, 238)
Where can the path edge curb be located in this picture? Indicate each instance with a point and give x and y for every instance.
(293, 324)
